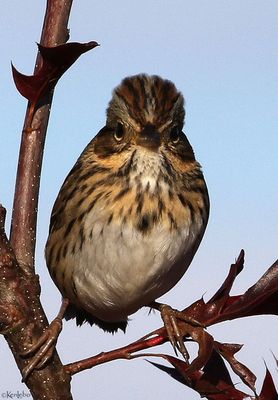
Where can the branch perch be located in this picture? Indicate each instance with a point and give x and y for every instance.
(261, 298)
(22, 319)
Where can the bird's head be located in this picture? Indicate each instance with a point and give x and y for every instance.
(145, 113)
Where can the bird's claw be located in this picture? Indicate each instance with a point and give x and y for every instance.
(176, 339)
(170, 318)
(42, 351)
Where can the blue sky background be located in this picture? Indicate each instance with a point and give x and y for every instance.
(223, 56)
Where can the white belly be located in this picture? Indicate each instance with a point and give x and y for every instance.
(120, 270)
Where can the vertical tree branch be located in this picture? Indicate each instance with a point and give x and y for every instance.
(24, 217)
(22, 319)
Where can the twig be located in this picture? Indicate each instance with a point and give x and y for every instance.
(125, 352)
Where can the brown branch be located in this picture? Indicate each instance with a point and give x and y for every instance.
(24, 217)
(22, 319)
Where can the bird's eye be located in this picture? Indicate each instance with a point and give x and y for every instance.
(175, 135)
(119, 132)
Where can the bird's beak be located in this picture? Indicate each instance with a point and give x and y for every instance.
(149, 138)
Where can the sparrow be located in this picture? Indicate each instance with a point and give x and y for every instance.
(131, 213)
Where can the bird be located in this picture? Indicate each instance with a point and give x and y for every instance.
(132, 211)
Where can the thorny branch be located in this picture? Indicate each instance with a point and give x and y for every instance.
(22, 319)
(24, 217)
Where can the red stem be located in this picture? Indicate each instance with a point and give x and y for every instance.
(121, 353)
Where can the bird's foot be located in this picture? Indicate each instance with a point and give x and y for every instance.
(41, 351)
(175, 333)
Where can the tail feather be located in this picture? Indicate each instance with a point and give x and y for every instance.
(83, 316)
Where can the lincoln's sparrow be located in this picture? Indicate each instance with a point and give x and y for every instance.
(133, 209)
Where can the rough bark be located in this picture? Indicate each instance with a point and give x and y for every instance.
(22, 319)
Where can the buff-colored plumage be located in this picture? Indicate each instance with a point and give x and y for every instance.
(132, 211)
